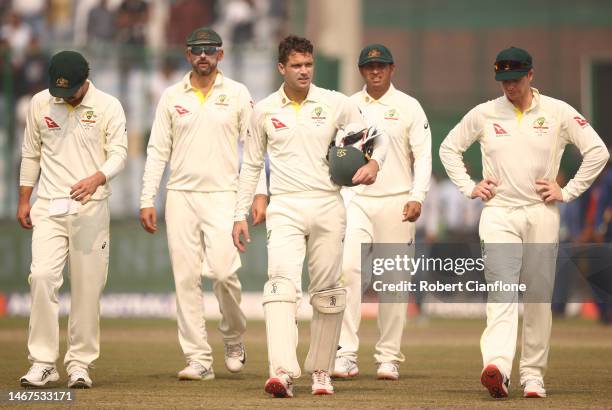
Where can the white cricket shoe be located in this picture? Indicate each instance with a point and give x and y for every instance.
(321, 383)
(196, 371)
(280, 386)
(388, 371)
(534, 388)
(345, 368)
(235, 357)
(79, 379)
(39, 375)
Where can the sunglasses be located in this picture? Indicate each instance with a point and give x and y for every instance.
(208, 50)
(509, 65)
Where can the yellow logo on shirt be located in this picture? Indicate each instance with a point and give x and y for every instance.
(222, 100)
(341, 152)
(392, 114)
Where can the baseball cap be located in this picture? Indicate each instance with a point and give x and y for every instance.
(512, 63)
(67, 72)
(375, 53)
(204, 36)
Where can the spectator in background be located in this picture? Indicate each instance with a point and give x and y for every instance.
(100, 24)
(17, 34)
(33, 14)
(186, 14)
(131, 21)
(240, 16)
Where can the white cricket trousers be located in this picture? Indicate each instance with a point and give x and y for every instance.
(83, 240)
(305, 223)
(199, 227)
(536, 227)
(373, 220)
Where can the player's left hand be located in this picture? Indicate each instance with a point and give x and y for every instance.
(85, 188)
(549, 191)
(241, 229)
(258, 209)
(412, 211)
(366, 175)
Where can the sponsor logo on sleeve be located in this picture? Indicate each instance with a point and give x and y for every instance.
(581, 121)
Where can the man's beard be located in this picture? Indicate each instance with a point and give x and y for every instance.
(204, 71)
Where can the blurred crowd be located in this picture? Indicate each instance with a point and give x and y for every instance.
(135, 49)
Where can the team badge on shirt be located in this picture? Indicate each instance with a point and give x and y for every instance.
(318, 116)
(392, 114)
(52, 125)
(88, 119)
(222, 100)
(540, 126)
(499, 131)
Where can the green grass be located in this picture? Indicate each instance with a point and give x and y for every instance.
(140, 359)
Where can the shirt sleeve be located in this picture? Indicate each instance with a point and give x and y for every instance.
(158, 153)
(115, 141)
(419, 138)
(245, 123)
(576, 130)
(255, 145)
(30, 149)
(458, 140)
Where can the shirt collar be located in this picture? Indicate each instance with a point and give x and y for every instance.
(314, 95)
(535, 101)
(88, 99)
(384, 100)
(187, 87)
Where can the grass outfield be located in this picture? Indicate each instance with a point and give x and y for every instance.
(140, 359)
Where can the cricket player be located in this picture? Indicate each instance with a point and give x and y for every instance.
(197, 126)
(306, 214)
(75, 137)
(385, 211)
(522, 137)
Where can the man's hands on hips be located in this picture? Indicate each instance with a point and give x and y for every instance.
(148, 219)
(485, 189)
(412, 211)
(258, 209)
(366, 175)
(85, 188)
(549, 191)
(241, 228)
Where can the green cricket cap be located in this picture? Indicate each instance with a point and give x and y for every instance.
(343, 163)
(204, 36)
(512, 63)
(67, 72)
(375, 53)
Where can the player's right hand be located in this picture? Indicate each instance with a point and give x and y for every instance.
(148, 219)
(485, 189)
(241, 228)
(258, 209)
(23, 215)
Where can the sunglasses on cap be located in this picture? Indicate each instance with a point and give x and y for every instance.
(510, 65)
(208, 50)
